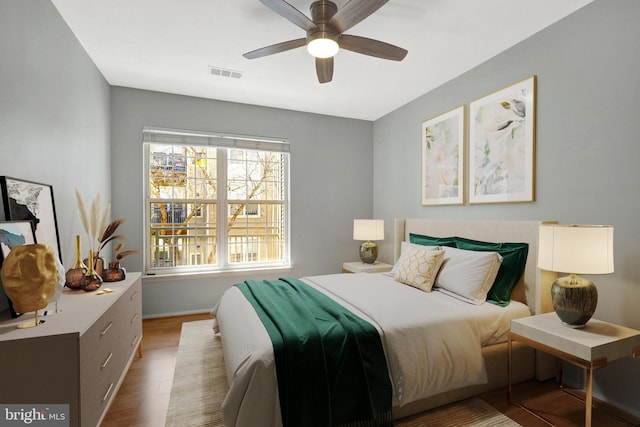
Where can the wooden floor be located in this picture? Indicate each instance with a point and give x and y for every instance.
(143, 398)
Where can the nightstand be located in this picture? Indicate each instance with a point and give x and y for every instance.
(361, 267)
(591, 347)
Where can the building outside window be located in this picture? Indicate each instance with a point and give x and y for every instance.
(193, 177)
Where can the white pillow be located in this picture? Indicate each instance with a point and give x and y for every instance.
(404, 246)
(468, 275)
(418, 267)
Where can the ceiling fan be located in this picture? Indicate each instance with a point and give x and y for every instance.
(325, 33)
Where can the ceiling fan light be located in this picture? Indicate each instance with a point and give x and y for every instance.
(323, 48)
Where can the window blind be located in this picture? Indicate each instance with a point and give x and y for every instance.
(177, 136)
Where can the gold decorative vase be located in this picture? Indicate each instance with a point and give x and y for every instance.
(91, 281)
(77, 271)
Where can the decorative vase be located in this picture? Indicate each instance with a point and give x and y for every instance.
(91, 281)
(114, 273)
(98, 264)
(77, 271)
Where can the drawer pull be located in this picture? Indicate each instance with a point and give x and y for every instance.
(105, 330)
(106, 362)
(135, 340)
(133, 296)
(106, 395)
(133, 319)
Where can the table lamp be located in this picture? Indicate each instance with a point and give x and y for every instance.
(575, 249)
(368, 230)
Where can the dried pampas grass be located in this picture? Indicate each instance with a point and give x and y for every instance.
(95, 222)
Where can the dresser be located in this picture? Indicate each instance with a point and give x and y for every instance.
(78, 356)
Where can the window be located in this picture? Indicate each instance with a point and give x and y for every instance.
(191, 177)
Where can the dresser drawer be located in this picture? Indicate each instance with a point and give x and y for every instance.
(132, 312)
(98, 384)
(101, 363)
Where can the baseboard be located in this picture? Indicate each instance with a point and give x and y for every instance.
(603, 406)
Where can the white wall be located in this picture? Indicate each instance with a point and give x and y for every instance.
(588, 148)
(331, 184)
(54, 111)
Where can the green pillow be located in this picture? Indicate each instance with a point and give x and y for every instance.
(420, 239)
(514, 258)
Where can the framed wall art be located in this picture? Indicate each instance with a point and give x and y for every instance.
(14, 233)
(443, 158)
(26, 200)
(502, 145)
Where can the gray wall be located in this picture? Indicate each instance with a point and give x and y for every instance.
(54, 111)
(331, 183)
(588, 73)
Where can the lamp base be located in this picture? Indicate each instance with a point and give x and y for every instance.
(368, 252)
(574, 300)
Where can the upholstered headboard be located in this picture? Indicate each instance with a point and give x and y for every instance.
(534, 288)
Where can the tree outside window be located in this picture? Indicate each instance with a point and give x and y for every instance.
(190, 185)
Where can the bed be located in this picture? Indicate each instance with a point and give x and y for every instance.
(424, 373)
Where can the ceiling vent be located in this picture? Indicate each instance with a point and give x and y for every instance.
(224, 72)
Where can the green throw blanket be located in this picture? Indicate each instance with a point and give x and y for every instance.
(330, 363)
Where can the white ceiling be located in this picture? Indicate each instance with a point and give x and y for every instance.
(168, 46)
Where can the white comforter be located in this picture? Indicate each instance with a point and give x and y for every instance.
(432, 342)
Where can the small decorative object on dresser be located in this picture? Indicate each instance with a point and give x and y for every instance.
(368, 229)
(30, 278)
(77, 271)
(91, 281)
(575, 249)
(114, 273)
(100, 232)
(14, 233)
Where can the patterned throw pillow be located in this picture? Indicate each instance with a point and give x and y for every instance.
(419, 267)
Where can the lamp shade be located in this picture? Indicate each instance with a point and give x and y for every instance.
(579, 249)
(368, 229)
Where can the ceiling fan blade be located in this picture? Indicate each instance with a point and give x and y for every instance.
(324, 69)
(290, 13)
(372, 47)
(353, 12)
(275, 48)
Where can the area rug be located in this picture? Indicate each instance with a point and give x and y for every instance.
(200, 384)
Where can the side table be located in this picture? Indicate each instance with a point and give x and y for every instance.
(361, 267)
(590, 347)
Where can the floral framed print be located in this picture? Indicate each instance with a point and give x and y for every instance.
(502, 145)
(26, 200)
(443, 158)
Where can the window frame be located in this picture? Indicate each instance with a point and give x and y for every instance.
(223, 143)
